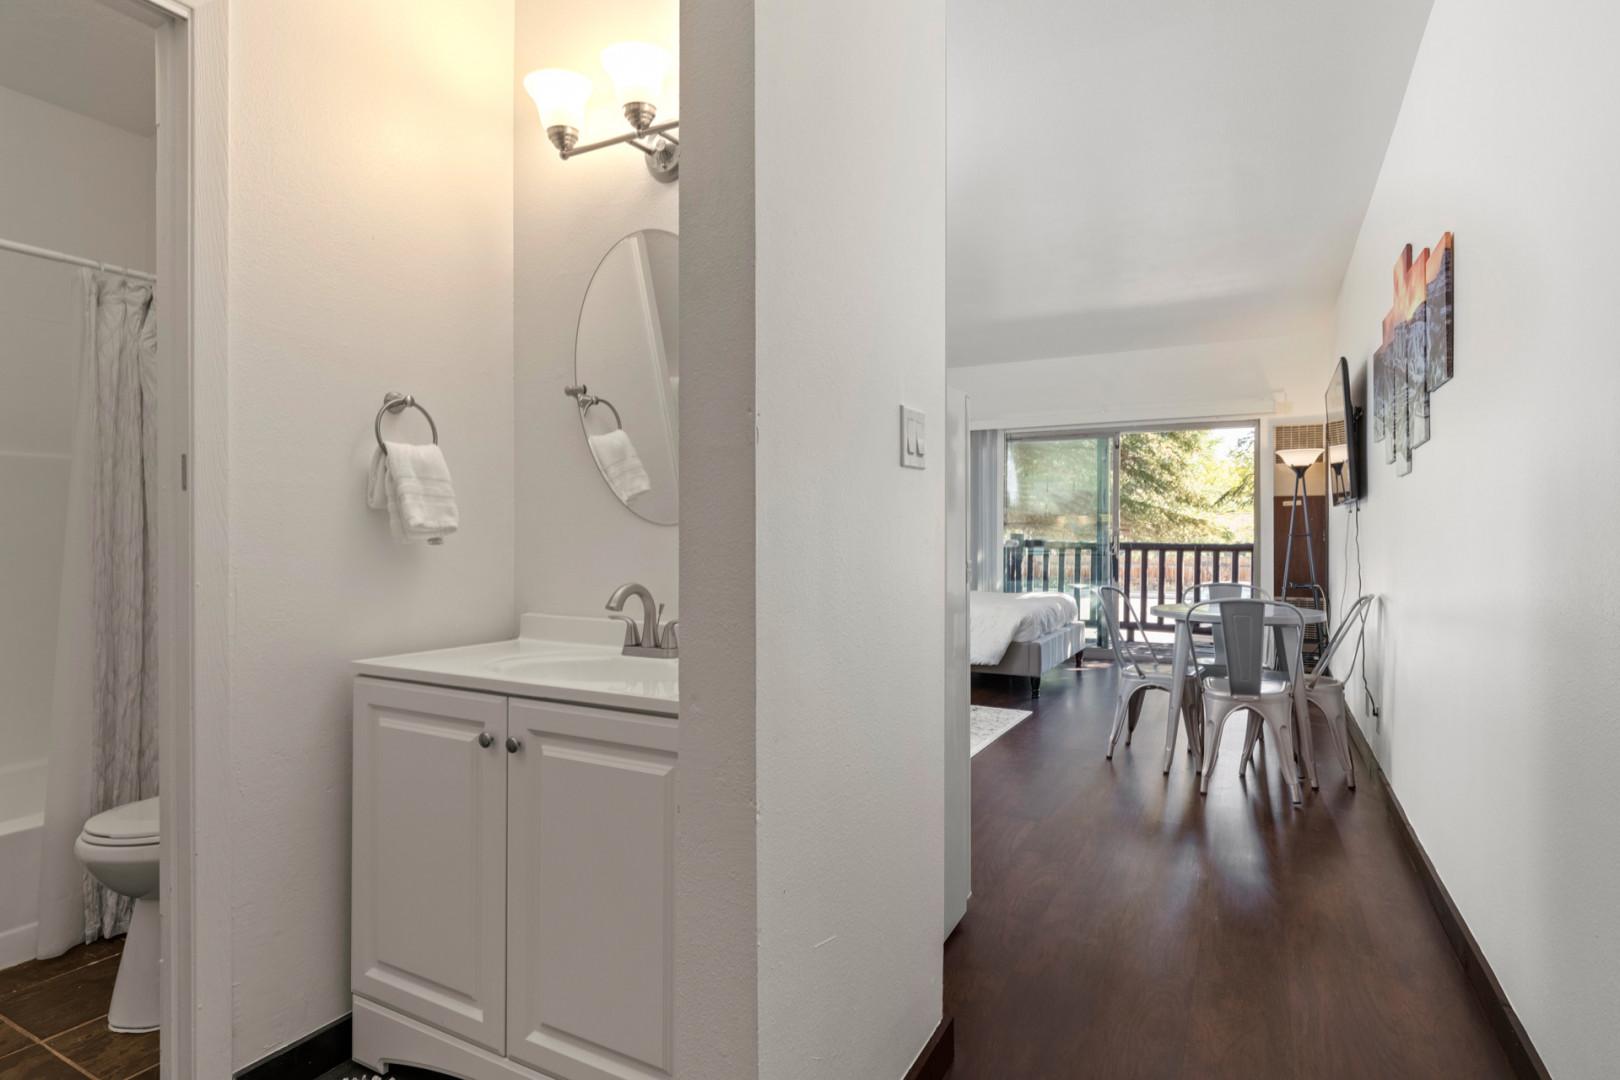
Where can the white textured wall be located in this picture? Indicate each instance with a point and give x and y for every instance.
(370, 250)
(1190, 382)
(1495, 657)
(72, 184)
(850, 324)
(575, 542)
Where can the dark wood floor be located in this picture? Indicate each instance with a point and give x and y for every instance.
(53, 1020)
(1122, 926)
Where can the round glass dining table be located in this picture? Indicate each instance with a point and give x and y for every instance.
(1280, 616)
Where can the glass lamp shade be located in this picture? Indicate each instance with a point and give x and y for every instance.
(1338, 453)
(638, 71)
(560, 97)
(1299, 459)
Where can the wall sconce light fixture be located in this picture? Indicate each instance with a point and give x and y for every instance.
(638, 71)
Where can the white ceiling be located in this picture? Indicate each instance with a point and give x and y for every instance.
(1148, 173)
(80, 55)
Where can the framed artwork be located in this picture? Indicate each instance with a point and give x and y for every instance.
(1417, 353)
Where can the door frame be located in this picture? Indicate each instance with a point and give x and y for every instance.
(194, 766)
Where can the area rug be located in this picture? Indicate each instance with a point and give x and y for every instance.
(990, 724)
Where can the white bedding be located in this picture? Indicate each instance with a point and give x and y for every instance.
(998, 619)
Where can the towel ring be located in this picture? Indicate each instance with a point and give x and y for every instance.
(396, 403)
(587, 399)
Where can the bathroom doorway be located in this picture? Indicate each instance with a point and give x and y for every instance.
(98, 321)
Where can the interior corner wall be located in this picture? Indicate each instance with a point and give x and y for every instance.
(850, 322)
(716, 904)
(575, 542)
(1492, 653)
(370, 249)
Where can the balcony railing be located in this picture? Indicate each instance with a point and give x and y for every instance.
(1149, 572)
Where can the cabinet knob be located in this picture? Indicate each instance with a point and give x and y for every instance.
(486, 740)
(513, 745)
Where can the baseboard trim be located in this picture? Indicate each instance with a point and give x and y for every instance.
(938, 1054)
(1504, 1021)
(309, 1057)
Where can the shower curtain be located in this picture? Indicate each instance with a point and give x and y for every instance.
(104, 706)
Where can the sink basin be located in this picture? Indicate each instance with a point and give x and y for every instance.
(585, 672)
(646, 675)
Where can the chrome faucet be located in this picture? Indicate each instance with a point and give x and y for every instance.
(653, 637)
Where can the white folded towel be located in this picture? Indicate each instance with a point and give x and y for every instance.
(412, 482)
(620, 463)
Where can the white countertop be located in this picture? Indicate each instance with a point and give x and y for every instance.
(555, 658)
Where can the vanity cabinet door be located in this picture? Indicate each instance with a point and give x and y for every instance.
(430, 856)
(590, 833)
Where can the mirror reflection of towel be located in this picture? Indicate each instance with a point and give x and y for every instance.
(620, 463)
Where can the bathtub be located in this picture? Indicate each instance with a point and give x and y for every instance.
(22, 819)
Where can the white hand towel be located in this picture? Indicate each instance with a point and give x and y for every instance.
(620, 463)
(413, 482)
(377, 481)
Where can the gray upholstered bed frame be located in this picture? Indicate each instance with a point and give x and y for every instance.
(1032, 659)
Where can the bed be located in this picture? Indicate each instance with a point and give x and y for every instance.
(1023, 634)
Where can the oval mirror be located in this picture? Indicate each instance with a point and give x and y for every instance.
(627, 372)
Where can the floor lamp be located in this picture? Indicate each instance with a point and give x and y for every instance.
(1299, 461)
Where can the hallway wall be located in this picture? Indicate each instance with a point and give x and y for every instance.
(1493, 656)
(810, 843)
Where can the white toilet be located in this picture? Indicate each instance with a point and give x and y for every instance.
(120, 849)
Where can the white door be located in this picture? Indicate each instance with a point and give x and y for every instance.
(430, 856)
(958, 737)
(591, 836)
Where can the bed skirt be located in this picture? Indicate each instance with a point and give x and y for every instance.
(1033, 658)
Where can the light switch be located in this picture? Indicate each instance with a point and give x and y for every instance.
(913, 439)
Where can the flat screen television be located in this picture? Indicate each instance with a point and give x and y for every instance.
(1343, 437)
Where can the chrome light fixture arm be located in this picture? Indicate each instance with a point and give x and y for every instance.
(662, 150)
(627, 137)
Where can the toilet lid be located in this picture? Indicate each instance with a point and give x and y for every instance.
(132, 821)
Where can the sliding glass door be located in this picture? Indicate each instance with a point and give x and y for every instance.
(1152, 511)
(1061, 517)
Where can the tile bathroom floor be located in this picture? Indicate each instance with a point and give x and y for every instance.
(53, 1020)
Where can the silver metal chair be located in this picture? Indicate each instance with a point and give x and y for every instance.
(1143, 650)
(1245, 683)
(1136, 674)
(1325, 693)
(1223, 590)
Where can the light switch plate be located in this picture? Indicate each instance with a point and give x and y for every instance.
(913, 439)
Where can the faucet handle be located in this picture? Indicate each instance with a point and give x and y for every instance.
(632, 633)
(668, 638)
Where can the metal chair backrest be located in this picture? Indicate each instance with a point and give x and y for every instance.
(1106, 596)
(1356, 614)
(1242, 628)
(1222, 590)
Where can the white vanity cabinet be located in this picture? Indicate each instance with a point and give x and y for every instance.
(513, 874)
(430, 849)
